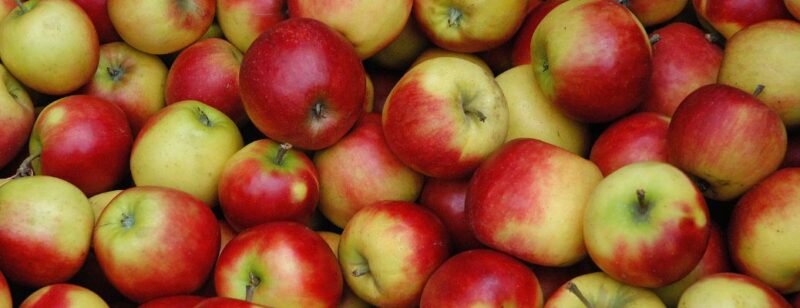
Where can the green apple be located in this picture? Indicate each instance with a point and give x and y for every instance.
(600, 290)
(161, 26)
(731, 290)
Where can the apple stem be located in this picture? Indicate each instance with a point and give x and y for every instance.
(454, 17)
(640, 197)
(285, 147)
(251, 287)
(625, 3)
(655, 38)
(759, 89)
(20, 6)
(25, 168)
(573, 288)
(204, 117)
(360, 271)
(116, 73)
(712, 38)
(545, 66)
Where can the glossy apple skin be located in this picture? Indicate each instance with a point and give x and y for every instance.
(63, 295)
(727, 138)
(225, 302)
(521, 50)
(510, 196)
(176, 301)
(177, 233)
(400, 244)
(731, 290)
(652, 13)
(794, 8)
(482, 277)
(254, 189)
(637, 137)
(6, 6)
(295, 266)
(302, 83)
(17, 116)
(98, 13)
(171, 26)
(5, 293)
(683, 61)
(574, 67)
(208, 71)
(603, 291)
(242, 21)
(762, 229)
(447, 199)
(402, 51)
(360, 170)
(83, 139)
(730, 16)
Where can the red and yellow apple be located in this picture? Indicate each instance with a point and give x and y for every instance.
(730, 16)
(731, 290)
(599, 290)
(242, 21)
(17, 117)
(63, 295)
(159, 26)
(98, 13)
(638, 137)
(447, 199)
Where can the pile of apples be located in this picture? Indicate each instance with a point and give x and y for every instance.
(399, 153)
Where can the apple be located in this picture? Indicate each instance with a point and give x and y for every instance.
(302, 83)
(63, 295)
(17, 117)
(765, 54)
(532, 115)
(586, 49)
(638, 137)
(226, 233)
(159, 26)
(435, 52)
(599, 290)
(242, 21)
(225, 302)
(794, 7)
(382, 84)
(404, 49)
(360, 170)
(469, 26)
(185, 146)
(155, 241)
(97, 10)
(208, 71)
(175, 301)
(131, 79)
(388, 251)
(651, 13)
(447, 199)
(726, 139)
(552, 278)
(50, 46)
(349, 300)
(521, 50)
(730, 16)
(369, 25)
(527, 177)
(683, 60)
(83, 139)
(762, 230)
(279, 264)
(731, 290)
(5, 293)
(265, 182)
(45, 230)
(6, 6)
(482, 277)
(100, 201)
(444, 117)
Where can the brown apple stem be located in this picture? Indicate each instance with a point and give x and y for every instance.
(251, 287)
(713, 38)
(759, 89)
(285, 147)
(360, 271)
(640, 197)
(655, 38)
(573, 288)
(454, 17)
(26, 167)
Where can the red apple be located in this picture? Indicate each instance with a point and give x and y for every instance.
(279, 264)
(225, 302)
(301, 82)
(5, 293)
(730, 16)
(98, 13)
(242, 21)
(153, 242)
(265, 182)
(63, 295)
(482, 278)
(175, 301)
(638, 137)
(521, 50)
(83, 139)
(446, 198)
(382, 84)
(208, 71)
(683, 60)
(17, 117)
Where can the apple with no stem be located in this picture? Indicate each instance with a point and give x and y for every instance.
(63, 295)
(521, 50)
(242, 21)
(158, 26)
(402, 51)
(526, 177)
(726, 139)
(731, 290)
(730, 16)
(279, 264)
(98, 13)
(654, 12)
(301, 82)
(586, 49)
(600, 290)
(638, 137)
(436, 52)
(444, 117)
(17, 117)
(447, 199)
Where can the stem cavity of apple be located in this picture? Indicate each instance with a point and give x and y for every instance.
(655, 38)
(318, 110)
(759, 89)
(713, 38)
(115, 73)
(545, 65)
(573, 288)
(251, 286)
(127, 221)
(284, 148)
(21, 7)
(204, 118)
(360, 271)
(454, 17)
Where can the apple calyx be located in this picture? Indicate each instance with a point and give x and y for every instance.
(759, 89)
(573, 288)
(360, 271)
(115, 73)
(203, 117)
(285, 147)
(127, 221)
(465, 100)
(318, 110)
(655, 38)
(454, 17)
(251, 286)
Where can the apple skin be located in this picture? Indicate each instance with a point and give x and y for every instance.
(360, 170)
(51, 48)
(175, 301)
(181, 141)
(637, 137)
(242, 21)
(349, 300)
(17, 117)
(100, 201)
(602, 291)
(83, 139)
(683, 61)
(469, 26)
(224, 302)
(447, 199)
(730, 16)
(482, 277)
(521, 50)
(175, 231)
(294, 267)
(762, 229)
(794, 8)
(651, 13)
(370, 25)
(301, 82)
(404, 49)
(552, 278)
(5, 293)
(208, 71)
(389, 250)
(97, 10)
(765, 53)
(259, 184)
(6, 6)
(63, 295)
(45, 230)
(731, 290)
(444, 117)
(574, 67)
(526, 177)
(171, 25)
(726, 139)
(436, 52)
